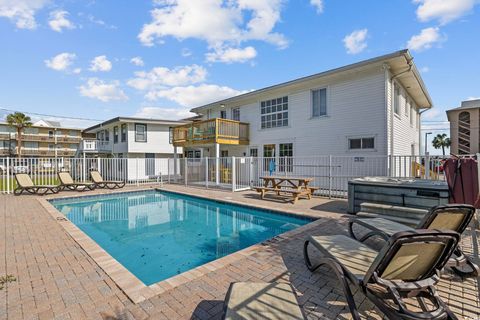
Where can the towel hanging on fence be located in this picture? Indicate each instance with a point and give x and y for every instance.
(462, 179)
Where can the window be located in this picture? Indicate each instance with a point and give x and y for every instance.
(236, 114)
(123, 132)
(361, 143)
(51, 147)
(319, 102)
(224, 153)
(193, 154)
(407, 106)
(50, 134)
(140, 132)
(223, 114)
(209, 114)
(396, 99)
(274, 113)
(286, 154)
(107, 135)
(253, 152)
(115, 134)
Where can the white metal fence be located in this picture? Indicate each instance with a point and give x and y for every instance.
(330, 173)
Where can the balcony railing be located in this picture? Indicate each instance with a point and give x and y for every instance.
(222, 131)
(91, 145)
(45, 152)
(42, 138)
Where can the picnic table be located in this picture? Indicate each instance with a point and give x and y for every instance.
(294, 186)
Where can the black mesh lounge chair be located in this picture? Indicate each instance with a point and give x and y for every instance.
(454, 217)
(67, 182)
(406, 267)
(25, 184)
(252, 301)
(100, 183)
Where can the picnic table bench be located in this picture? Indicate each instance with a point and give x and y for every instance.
(294, 186)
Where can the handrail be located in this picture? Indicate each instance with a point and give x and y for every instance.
(211, 131)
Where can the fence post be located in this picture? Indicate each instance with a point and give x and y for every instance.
(168, 169)
(427, 166)
(7, 167)
(391, 166)
(206, 172)
(84, 168)
(185, 169)
(330, 176)
(136, 173)
(234, 183)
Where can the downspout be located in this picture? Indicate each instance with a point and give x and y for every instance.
(420, 131)
(386, 69)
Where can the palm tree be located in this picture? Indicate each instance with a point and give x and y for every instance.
(19, 121)
(441, 141)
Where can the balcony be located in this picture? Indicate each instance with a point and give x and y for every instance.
(221, 131)
(46, 152)
(92, 145)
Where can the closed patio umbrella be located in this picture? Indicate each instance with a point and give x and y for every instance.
(462, 178)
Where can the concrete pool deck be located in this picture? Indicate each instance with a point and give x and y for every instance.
(57, 278)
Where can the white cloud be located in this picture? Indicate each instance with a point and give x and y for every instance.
(100, 63)
(58, 21)
(138, 61)
(162, 77)
(230, 55)
(355, 42)
(193, 96)
(164, 113)
(102, 90)
(472, 98)
(77, 70)
(21, 12)
(61, 62)
(215, 21)
(186, 52)
(318, 4)
(443, 10)
(425, 39)
(424, 69)
(100, 22)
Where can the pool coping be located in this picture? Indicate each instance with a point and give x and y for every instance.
(133, 287)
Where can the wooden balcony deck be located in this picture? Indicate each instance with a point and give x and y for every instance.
(221, 131)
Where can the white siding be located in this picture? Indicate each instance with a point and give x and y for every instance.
(404, 134)
(157, 139)
(355, 108)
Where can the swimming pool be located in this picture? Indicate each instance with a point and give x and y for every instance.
(157, 234)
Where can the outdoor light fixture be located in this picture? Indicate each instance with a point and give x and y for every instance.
(222, 106)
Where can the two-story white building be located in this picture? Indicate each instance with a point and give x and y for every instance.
(128, 137)
(371, 107)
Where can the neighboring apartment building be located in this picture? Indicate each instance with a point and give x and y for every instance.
(42, 139)
(127, 137)
(465, 128)
(367, 108)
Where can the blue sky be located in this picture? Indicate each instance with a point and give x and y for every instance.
(74, 58)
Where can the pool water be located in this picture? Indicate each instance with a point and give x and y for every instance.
(157, 235)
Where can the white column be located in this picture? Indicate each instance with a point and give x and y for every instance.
(175, 160)
(234, 176)
(217, 163)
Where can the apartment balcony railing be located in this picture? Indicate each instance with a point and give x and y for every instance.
(44, 152)
(91, 145)
(221, 131)
(41, 138)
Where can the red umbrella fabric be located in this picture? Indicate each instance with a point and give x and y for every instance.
(462, 179)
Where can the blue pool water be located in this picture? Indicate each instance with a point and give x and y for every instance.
(157, 235)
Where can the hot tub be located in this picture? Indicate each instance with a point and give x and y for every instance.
(402, 192)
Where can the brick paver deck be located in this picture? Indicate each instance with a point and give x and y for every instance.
(57, 279)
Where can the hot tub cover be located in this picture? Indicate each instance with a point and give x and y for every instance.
(462, 179)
